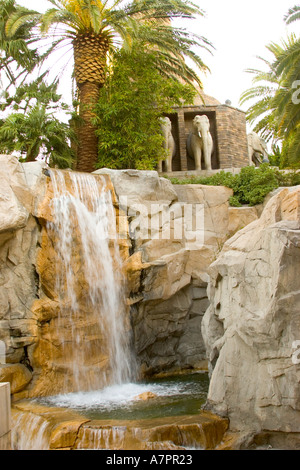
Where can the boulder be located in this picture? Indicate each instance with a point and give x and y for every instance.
(169, 235)
(140, 186)
(253, 321)
(13, 214)
(17, 375)
(145, 396)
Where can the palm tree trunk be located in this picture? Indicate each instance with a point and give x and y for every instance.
(87, 149)
(90, 52)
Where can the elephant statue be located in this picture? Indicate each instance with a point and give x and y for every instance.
(200, 142)
(257, 149)
(169, 143)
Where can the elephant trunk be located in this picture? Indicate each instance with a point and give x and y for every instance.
(206, 153)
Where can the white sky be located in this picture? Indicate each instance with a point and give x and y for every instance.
(239, 31)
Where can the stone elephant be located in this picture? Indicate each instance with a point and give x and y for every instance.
(200, 142)
(257, 149)
(169, 143)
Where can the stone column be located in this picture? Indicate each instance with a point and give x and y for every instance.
(5, 416)
(182, 141)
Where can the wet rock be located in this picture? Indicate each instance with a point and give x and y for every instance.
(145, 396)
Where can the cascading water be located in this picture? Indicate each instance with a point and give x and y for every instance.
(85, 347)
(93, 324)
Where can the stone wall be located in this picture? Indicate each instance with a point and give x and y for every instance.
(231, 137)
(228, 129)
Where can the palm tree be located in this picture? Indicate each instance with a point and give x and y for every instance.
(292, 15)
(34, 134)
(96, 27)
(277, 110)
(17, 56)
(260, 113)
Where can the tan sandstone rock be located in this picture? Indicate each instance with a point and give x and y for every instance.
(145, 396)
(17, 375)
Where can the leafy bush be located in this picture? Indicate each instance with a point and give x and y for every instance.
(250, 186)
(131, 103)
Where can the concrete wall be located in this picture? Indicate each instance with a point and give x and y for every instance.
(5, 417)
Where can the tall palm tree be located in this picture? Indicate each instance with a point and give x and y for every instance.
(95, 27)
(260, 113)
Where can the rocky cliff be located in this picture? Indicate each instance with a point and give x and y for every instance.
(206, 284)
(252, 326)
(169, 235)
(176, 232)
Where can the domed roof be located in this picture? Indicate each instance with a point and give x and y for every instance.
(205, 100)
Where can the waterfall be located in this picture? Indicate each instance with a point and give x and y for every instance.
(93, 326)
(29, 431)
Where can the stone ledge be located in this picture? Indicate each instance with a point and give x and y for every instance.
(5, 421)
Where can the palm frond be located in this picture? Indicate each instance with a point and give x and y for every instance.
(292, 15)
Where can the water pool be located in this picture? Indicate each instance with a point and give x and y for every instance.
(174, 396)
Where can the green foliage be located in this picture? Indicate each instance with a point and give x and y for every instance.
(275, 157)
(123, 23)
(116, 23)
(133, 99)
(17, 54)
(32, 129)
(276, 104)
(250, 186)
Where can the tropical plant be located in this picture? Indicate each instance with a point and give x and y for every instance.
(277, 109)
(250, 186)
(16, 56)
(33, 129)
(292, 15)
(35, 91)
(20, 51)
(131, 103)
(96, 27)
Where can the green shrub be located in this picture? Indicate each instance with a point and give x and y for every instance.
(234, 201)
(250, 186)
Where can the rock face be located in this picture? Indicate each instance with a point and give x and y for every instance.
(36, 427)
(252, 326)
(176, 232)
(18, 276)
(205, 282)
(169, 236)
